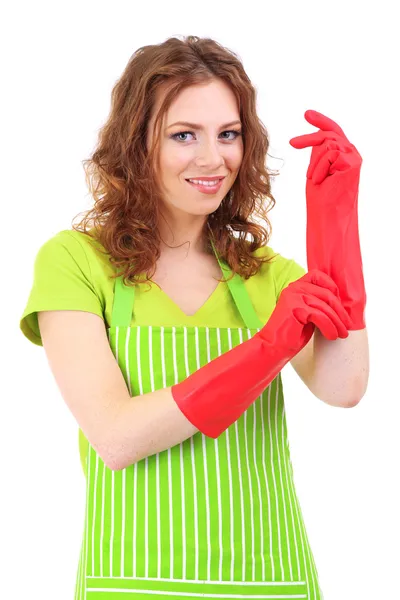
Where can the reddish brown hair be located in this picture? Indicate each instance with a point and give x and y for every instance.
(122, 175)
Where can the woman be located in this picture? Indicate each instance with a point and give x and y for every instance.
(172, 375)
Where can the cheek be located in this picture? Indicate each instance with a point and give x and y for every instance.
(174, 161)
(235, 156)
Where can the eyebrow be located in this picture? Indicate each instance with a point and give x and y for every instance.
(196, 126)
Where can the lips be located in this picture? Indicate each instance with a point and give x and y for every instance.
(206, 189)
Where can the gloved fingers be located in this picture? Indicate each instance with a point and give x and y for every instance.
(323, 122)
(314, 139)
(326, 319)
(328, 129)
(331, 158)
(328, 298)
(322, 168)
(317, 278)
(316, 283)
(307, 333)
(317, 318)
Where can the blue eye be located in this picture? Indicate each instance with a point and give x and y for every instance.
(175, 135)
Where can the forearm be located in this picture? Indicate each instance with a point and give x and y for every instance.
(332, 236)
(145, 425)
(333, 246)
(340, 368)
(212, 397)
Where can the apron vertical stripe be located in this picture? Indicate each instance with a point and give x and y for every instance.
(268, 497)
(103, 499)
(217, 443)
(231, 506)
(207, 490)
(293, 524)
(248, 429)
(286, 540)
(241, 481)
(86, 535)
(256, 462)
(192, 445)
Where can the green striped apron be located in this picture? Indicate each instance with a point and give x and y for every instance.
(213, 518)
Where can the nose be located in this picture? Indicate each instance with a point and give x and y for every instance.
(209, 155)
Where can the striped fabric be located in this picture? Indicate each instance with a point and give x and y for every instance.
(207, 518)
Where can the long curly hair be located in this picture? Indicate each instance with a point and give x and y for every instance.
(122, 175)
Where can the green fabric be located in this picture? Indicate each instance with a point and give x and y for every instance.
(70, 273)
(206, 518)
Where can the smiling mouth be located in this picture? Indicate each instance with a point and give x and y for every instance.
(206, 189)
(217, 179)
(206, 185)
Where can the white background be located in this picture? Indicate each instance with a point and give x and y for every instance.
(59, 64)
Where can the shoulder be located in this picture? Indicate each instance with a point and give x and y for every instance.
(66, 276)
(72, 247)
(277, 272)
(65, 241)
(72, 240)
(276, 263)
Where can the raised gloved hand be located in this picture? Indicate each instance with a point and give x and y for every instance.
(215, 396)
(333, 244)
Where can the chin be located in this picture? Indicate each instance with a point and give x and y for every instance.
(205, 210)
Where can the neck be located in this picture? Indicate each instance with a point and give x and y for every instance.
(186, 235)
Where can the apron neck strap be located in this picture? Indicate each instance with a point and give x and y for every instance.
(239, 293)
(124, 297)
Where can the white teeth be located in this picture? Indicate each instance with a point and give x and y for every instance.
(209, 183)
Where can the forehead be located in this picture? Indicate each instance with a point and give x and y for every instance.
(210, 103)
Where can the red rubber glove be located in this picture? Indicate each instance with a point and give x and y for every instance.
(215, 396)
(333, 244)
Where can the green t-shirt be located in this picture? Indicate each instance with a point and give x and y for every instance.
(71, 274)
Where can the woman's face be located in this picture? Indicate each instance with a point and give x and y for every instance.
(212, 148)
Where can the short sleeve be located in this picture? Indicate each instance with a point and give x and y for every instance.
(288, 272)
(61, 281)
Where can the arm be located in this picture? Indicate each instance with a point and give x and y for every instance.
(159, 424)
(333, 241)
(122, 429)
(145, 425)
(335, 371)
